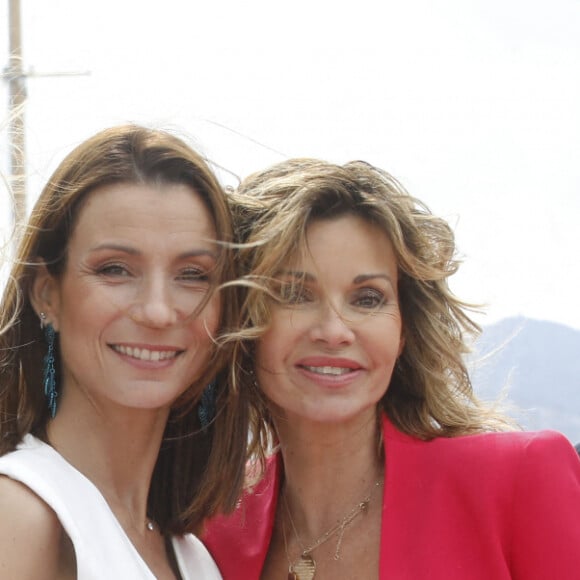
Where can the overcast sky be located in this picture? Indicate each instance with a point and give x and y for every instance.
(472, 105)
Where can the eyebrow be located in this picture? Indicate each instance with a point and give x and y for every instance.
(364, 277)
(360, 279)
(296, 274)
(135, 252)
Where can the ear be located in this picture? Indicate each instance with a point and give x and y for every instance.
(45, 295)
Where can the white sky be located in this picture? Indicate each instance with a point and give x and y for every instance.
(473, 105)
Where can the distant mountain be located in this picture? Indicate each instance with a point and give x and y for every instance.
(538, 363)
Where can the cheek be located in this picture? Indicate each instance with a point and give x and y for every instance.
(261, 354)
(206, 326)
(401, 346)
(383, 339)
(85, 318)
(269, 361)
(264, 368)
(279, 340)
(88, 305)
(390, 344)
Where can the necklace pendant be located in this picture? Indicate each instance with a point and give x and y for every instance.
(304, 569)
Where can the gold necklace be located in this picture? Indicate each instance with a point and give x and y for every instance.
(305, 567)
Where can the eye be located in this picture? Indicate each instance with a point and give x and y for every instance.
(369, 298)
(294, 293)
(193, 274)
(114, 270)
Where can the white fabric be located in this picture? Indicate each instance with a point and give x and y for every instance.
(103, 550)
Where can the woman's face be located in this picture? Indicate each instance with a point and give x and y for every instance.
(139, 262)
(329, 352)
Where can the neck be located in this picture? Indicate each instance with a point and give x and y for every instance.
(329, 469)
(116, 451)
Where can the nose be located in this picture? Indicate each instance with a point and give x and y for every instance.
(154, 306)
(331, 327)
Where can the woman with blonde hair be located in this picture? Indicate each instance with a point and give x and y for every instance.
(378, 461)
(108, 328)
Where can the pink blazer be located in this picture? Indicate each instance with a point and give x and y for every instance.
(481, 507)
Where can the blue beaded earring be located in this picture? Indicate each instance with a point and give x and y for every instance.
(49, 374)
(206, 408)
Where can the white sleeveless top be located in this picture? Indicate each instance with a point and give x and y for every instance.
(103, 550)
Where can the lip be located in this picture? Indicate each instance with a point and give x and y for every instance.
(329, 361)
(148, 355)
(329, 372)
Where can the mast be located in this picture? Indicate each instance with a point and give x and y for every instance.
(14, 74)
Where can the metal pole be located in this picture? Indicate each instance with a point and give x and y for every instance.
(16, 99)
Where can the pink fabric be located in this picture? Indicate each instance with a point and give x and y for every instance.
(492, 506)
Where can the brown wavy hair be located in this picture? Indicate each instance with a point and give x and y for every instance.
(198, 472)
(430, 393)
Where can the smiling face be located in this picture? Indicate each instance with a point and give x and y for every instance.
(139, 263)
(334, 338)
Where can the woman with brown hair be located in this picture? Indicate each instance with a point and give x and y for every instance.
(108, 327)
(378, 461)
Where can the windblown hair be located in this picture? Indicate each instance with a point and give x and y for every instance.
(430, 392)
(198, 472)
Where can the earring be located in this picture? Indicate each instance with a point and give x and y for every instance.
(206, 409)
(254, 379)
(48, 372)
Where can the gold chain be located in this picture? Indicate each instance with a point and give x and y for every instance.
(339, 528)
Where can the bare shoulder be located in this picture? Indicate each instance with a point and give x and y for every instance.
(31, 535)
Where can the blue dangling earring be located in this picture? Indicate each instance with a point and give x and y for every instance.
(206, 408)
(48, 372)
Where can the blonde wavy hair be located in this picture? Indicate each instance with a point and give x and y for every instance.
(430, 393)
